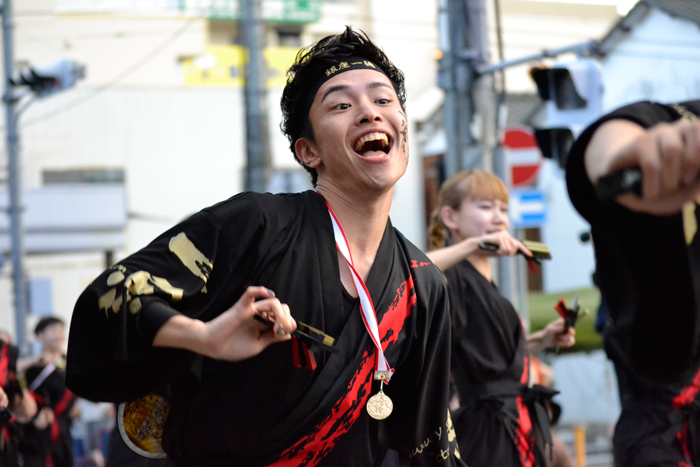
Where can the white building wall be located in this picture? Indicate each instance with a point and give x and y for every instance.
(572, 262)
(659, 60)
(531, 26)
(182, 148)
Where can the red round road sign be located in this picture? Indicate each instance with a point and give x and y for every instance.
(524, 156)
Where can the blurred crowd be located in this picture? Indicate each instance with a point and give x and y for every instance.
(42, 424)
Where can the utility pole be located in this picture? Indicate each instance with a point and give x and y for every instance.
(15, 208)
(456, 77)
(258, 169)
(470, 99)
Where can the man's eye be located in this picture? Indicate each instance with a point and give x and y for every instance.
(383, 101)
(343, 106)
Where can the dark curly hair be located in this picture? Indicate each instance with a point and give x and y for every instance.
(310, 62)
(46, 322)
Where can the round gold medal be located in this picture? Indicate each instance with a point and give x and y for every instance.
(379, 406)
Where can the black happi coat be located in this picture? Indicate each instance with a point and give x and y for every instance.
(52, 446)
(490, 367)
(9, 435)
(263, 410)
(650, 279)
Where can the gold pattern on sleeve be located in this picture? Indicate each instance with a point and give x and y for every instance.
(143, 283)
(138, 283)
(135, 305)
(451, 435)
(115, 278)
(690, 222)
(190, 256)
(165, 286)
(110, 301)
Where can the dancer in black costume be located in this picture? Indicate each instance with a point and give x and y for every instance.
(501, 420)
(195, 291)
(648, 263)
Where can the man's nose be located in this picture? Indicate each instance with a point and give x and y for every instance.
(368, 112)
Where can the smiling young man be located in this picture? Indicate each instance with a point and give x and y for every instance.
(178, 316)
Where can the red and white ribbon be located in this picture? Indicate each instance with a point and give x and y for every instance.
(369, 315)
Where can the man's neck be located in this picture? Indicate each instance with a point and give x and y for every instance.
(363, 221)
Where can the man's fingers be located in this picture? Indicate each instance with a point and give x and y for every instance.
(671, 153)
(650, 163)
(279, 314)
(691, 153)
(253, 293)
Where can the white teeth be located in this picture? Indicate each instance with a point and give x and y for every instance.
(371, 137)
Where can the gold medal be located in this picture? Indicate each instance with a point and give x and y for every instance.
(379, 406)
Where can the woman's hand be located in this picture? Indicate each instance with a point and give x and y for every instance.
(4, 400)
(235, 334)
(25, 407)
(44, 419)
(553, 335)
(506, 243)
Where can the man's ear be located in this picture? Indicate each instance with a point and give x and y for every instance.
(448, 217)
(307, 153)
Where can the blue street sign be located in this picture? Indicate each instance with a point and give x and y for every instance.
(527, 208)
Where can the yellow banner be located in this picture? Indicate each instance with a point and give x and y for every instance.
(224, 65)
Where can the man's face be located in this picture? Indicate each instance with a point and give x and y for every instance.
(52, 337)
(360, 133)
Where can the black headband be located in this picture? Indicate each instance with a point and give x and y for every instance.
(342, 65)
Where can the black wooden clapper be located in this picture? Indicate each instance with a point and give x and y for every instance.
(570, 315)
(539, 252)
(305, 341)
(618, 183)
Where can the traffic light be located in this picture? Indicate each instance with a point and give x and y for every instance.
(573, 95)
(47, 79)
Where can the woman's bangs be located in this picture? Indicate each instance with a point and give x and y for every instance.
(484, 185)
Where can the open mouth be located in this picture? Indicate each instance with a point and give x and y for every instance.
(372, 145)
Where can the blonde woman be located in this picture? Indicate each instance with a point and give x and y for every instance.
(500, 420)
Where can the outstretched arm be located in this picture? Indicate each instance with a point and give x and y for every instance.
(445, 258)
(667, 153)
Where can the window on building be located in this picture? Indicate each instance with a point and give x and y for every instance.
(289, 37)
(83, 176)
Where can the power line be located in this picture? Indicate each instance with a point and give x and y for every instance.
(104, 87)
(28, 37)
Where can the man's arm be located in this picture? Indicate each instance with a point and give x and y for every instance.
(667, 153)
(234, 335)
(129, 325)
